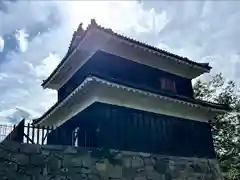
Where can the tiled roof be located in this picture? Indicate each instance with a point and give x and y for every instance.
(131, 42)
(170, 97)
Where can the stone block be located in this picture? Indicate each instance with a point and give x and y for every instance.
(83, 151)
(139, 178)
(76, 176)
(10, 175)
(128, 173)
(7, 166)
(113, 171)
(32, 171)
(45, 152)
(197, 168)
(94, 176)
(5, 154)
(137, 162)
(148, 168)
(161, 166)
(205, 167)
(188, 170)
(72, 170)
(72, 160)
(101, 167)
(42, 177)
(117, 172)
(174, 173)
(127, 162)
(145, 155)
(171, 164)
(54, 148)
(153, 175)
(181, 166)
(149, 161)
(70, 150)
(86, 160)
(20, 158)
(130, 153)
(53, 164)
(37, 160)
(30, 148)
(11, 146)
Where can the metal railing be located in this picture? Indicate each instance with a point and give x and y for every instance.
(5, 130)
(25, 133)
(31, 134)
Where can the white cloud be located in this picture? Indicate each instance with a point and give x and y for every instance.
(1, 44)
(189, 28)
(47, 66)
(23, 14)
(21, 37)
(25, 70)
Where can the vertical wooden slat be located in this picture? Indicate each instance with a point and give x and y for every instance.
(73, 137)
(147, 134)
(38, 128)
(5, 132)
(33, 133)
(159, 123)
(54, 135)
(43, 129)
(20, 130)
(8, 137)
(46, 135)
(85, 138)
(48, 129)
(141, 131)
(77, 137)
(28, 127)
(127, 135)
(152, 133)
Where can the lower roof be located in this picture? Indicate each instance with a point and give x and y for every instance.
(94, 89)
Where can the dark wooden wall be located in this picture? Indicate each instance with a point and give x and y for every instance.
(126, 72)
(130, 129)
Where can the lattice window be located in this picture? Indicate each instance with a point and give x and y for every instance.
(168, 84)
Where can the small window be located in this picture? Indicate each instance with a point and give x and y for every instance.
(168, 84)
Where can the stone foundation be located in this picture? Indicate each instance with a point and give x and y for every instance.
(26, 161)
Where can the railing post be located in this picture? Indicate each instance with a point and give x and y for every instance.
(38, 128)
(17, 133)
(33, 133)
(43, 128)
(28, 128)
(20, 131)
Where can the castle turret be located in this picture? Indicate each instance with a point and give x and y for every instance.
(124, 94)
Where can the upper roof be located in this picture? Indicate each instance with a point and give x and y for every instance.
(81, 33)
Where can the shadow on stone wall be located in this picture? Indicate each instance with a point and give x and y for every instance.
(27, 161)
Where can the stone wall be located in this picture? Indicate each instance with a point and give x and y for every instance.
(35, 162)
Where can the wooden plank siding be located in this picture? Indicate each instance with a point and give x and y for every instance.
(126, 72)
(109, 126)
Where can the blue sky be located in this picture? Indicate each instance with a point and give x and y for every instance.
(34, 36)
